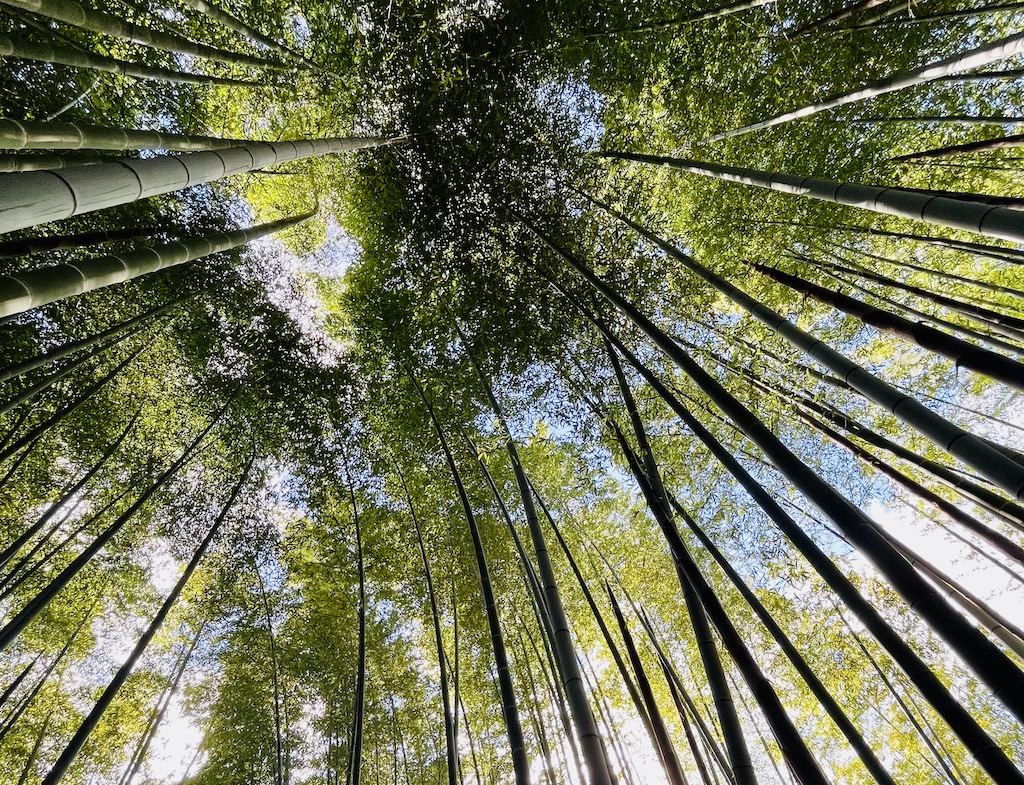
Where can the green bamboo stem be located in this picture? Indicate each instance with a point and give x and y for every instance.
(20, 292)
(75, 13)
(59, 54)
(1002, 49)
(31, 198)
(110, 692)
(1003, 223)
(1000, 469)
(16, 135)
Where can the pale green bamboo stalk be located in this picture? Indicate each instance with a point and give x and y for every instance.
(74, 13)
(77, 58)
(1002, 49)
(21, 292)
(41, 163)
(16, 135)
(1001, 222)
(225, 19)
(32, 198)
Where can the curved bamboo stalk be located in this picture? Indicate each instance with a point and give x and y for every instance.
(75, 13)
(234, 24)
(982, 146)
(31, 198)
(1002, 49)
(992, 221)
(562, 642)
(817, 687)
(19, 621)
(32, 363)
(21, 292)
(77, 58)
(509, 708)
(33, 245)
(37, 163)
(435, 614)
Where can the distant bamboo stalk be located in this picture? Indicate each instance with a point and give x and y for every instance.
(666, 24)
(982, 146)
(234, 24)
(75, 13)
(1002, 49)
(77, 58)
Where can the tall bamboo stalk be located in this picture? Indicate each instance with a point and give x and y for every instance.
(20, 292)
(31, 198)
(61, 54)
(509, 708)
(1002, 49)
(110, 692)
(18, 135)
(565, 650)
(1005, 472)
(79, 15)
(992, 221)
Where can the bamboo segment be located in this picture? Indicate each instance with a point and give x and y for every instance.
(20, 292)
(16, 135)
(77, 58)
(1000, 222)
(1002, 49)
(39, 163)
(74, 13)
(31, 198)
(225, 19)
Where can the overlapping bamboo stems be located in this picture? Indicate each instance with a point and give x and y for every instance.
(34, 606)
(983, 361)
(74, 13)
(509, 708)
(657, 732)
(801, 761)
(992, 221)
(924, 598)
(996, 338)
(21, 367)
(1005, 472)
(562, 642)
(451, 749)
(62, 54)
(986, 54)
(995, 538)
(74, 746)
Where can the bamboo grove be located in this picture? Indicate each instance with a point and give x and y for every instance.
(549, 393)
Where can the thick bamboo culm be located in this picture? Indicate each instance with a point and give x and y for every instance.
(31, 198)
(21, 292)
